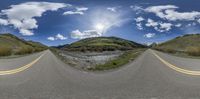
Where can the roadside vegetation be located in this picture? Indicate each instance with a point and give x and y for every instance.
(125, 58)
(11, 45)
(193, 51)
(5, 51)
(24, 50)
(184, 46)
(190, 52)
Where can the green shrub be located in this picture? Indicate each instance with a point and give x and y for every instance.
(194, 51)
(5, 51)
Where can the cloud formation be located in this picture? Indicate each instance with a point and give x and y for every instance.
(137, 9)
(57, 37)
(113, 9)
(3, 22)
(76, 34)
(51, 38)
(169, 12)
(22, 16)
(78, 10)
(167, 17)
(149, 35)
(139, 19)
(159, 26)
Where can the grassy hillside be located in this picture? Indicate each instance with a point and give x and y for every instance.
(188, 43)
(10, 44)
(102, 44)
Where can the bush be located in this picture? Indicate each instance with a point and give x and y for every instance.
(170, 50)
(39, 49)
(5, 51)
(167, 50)
(24, 50)
(194, 51)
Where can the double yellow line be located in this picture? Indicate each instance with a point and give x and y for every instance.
(176, 68)
(22, 68)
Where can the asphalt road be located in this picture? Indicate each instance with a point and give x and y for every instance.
(150, 76)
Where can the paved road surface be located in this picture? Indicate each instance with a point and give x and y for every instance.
(148, 77)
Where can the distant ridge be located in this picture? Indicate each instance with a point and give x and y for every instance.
(102, 44)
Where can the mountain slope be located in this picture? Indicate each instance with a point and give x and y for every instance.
(102, 44)
(181, 43)
(10, 44)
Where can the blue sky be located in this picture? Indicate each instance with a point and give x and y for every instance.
(57, 22)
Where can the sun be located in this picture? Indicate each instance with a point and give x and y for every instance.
(99, 26)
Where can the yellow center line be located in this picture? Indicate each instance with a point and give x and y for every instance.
(176, 68)
(22, 68)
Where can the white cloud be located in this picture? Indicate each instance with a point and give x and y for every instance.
(57, 37)
(188, 25)
(191, 24)
(178, 25)
(139, 19)
(159, 26)
(3, 22)
(51, 38)
(82, 9)
(137, 9)
(169, 16)
(168, 12)
(139, 26)
(158, 10)
(138, 22)
(60, 37)
(149, 35)
(151, 23)
(166, 26)
(72, 13)
(22, 16)
(113, 9)
(26, 32)
(78, 10)
(198, 20)
(76, 34)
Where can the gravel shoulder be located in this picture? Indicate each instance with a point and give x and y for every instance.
(96, 60)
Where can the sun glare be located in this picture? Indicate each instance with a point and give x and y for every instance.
(99, 26)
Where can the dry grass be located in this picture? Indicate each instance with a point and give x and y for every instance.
(24, 50)
(194, 51)
(167, 50)
(5, 51)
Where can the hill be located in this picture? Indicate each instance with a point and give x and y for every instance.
(181, 43)
(59, 46)
(10, 44)
(102, 44)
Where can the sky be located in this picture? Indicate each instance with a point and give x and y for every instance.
(58, 22)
